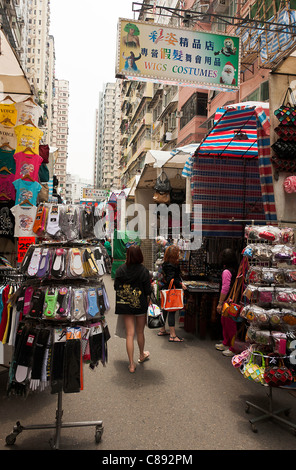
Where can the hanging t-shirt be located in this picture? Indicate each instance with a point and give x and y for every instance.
(8, 113)
(7, 190)
(27, 136)
(6, 220)
(26, 190)
(7, 136)
(27, 165)
(27, 110)
(7, 160)
(24, 220)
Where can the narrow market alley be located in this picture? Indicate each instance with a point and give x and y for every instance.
(187, 396)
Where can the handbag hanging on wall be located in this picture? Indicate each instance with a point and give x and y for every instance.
(162, 184)
(286, 113)
(161, 197)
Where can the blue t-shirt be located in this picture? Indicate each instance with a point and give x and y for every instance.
(26, 190)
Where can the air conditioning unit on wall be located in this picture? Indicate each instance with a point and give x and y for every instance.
(220, 6)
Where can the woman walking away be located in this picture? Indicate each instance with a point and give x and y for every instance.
(171, 270)
(133, 287)
(229, 273)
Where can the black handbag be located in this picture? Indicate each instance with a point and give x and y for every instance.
(154, 317)
(284, 149)
(162, 184)
(177, 196)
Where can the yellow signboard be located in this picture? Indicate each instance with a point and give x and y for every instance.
(151, 51)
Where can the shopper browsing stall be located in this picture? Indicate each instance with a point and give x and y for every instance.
(229, 264)
(171, 270)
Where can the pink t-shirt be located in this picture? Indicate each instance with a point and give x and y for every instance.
(27, 165)
(226, 281)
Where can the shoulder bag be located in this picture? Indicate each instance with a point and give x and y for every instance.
(172, 298)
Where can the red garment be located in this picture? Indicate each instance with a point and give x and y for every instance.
(4, 311)
(229, 331)
(44, 153)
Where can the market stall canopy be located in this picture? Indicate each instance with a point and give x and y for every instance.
(157, 159)
(234, 133)
(12, 77)
(231, 171)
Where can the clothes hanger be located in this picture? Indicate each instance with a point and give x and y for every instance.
(28, 149)
(8, 98)
(29, 99)
(6, 145)
(7, 120)
(28, 177)
(29, 122)
(26, 201)
(4, 168)
(4, 195)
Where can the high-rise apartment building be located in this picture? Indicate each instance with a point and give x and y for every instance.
(60, 131)
(99, 139)
(107, 139)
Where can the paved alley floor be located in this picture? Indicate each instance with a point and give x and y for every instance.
(186, 397)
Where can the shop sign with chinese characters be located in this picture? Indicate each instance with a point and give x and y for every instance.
(177, 56)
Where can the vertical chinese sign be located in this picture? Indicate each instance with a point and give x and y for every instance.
(177, 56)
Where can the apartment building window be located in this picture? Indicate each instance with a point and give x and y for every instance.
(195, 106)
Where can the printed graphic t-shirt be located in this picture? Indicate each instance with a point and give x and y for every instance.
(27, 136)
(9, 112)
(24, 220)
(27, 110)
(26, 190)
(27, 165)
(7, 136)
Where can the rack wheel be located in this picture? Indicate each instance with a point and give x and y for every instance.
(247, 409)
(254, 429)
(10, 439)
(99, 433)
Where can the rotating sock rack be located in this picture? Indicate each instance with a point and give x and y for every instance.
(269, 308)
(58, 323)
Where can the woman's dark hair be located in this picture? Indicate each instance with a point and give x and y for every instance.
(228, 258)
(134, 255)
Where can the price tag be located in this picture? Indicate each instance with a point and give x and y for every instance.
(23, 245)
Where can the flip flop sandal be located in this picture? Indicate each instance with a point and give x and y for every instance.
(53, 227)
(50, 302)
(76, 266)
(162, 333)
(44, 263)
(34, 262)
(58, 265)
(146, 357)
(63, 301)
(27, 300)
(91, 260)
(93, 308)
(78, 311)
(37, 303)
(172, 339)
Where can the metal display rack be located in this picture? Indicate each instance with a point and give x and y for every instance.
(270, 413)
(58, 425)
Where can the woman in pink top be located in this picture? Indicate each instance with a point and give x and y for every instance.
(229, 263)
